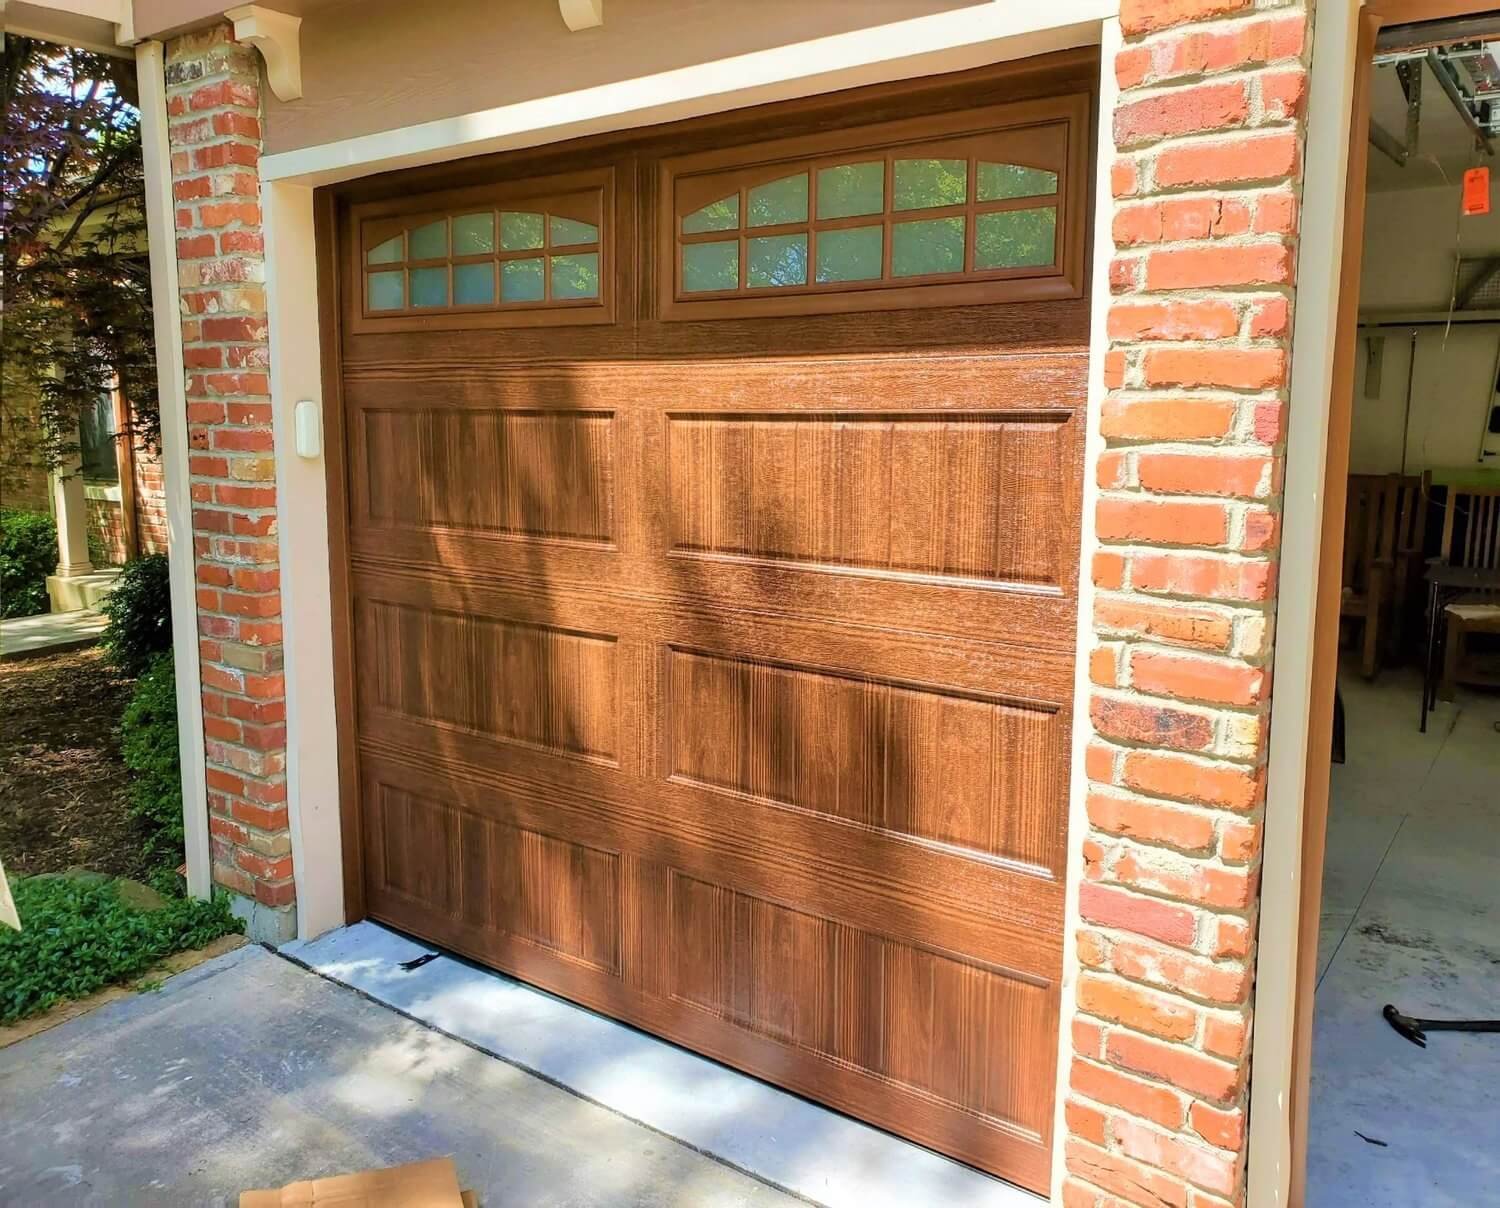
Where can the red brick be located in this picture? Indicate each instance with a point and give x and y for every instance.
(1138, 519)
(1088, 1036)
(1270, 318)
(1136, 1184)
(223, 93)
(1128, 720)
(1149, 917)
(1084, 1121)
(1232, 45)
(236, 327)
(1224, 1036)
(1226, 1129)
(1121, 1090)
(1165, 622)
(1206, 474)
(1167, 419)
(1203, 575)
(1218, 1172)
(1109, 570)
(220, 155)
(1137, 224)
(1123, 178)
(1165, 873)
(1283, 92)
(1163, 774)
(1147, 1011)
(1150, 821)
(1180, 1067)
(1144, 16)
(1219, 265)
(1276, 214)
(1239, 842)
(241, 124)
(1187, 677)
(1181, 971)
(275, 893)
(1174, 320)
(1190, 110)
(1102, 665)
(1239, 160)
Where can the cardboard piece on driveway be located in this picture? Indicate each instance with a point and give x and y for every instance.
(429, 1184)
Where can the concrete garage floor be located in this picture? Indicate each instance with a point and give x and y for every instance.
(250, 1071)
(1411, 915)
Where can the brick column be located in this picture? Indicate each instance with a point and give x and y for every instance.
(213, 101)
(1208, 134)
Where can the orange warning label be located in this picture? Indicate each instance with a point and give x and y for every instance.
(1477, 191)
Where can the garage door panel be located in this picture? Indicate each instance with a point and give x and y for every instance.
(1003, 664)
(878, 882)
(951, 767)
(543, 686)
(969, 495)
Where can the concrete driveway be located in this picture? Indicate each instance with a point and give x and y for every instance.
(250, 1071)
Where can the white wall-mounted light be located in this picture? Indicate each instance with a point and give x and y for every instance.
(308, 424)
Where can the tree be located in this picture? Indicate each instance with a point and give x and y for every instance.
(76, 309)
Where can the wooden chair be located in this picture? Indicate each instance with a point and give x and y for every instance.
(1408, 554)
(1471, 538)
(1369, 556)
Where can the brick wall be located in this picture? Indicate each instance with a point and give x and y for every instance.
(106, 517)
(213, 102)
(1208, 138)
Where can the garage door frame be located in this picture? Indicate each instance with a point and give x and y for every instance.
(298, 369)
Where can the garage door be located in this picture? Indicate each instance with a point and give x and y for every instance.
(709, 503)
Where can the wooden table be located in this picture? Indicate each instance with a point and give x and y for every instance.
(1446, 583)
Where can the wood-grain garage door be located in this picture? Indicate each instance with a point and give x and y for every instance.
(706, 552)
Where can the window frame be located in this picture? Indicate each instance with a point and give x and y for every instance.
(758, 163)
(372, 223)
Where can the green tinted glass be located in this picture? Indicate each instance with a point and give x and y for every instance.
(919, 249)
(566, 231)
(852, 255)
(721, 215)
(429, 287)
(519, 231)
(1015, 238)
(995, 182)
(388, 252)
(429, 242)
(922, 183)
(385, 291)
(575, 276)
(473, 284)
(473, 234)
(851, 189)
(710, 266)
(778, 260)
(783, 200)
(521, 280)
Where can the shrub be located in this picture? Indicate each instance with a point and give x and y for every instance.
(139, 610)
(78, 936)
(148, 742)
(28, 554)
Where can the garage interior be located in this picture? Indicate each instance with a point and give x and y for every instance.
(1411, 882)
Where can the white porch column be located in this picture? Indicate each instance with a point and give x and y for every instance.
(70, 508)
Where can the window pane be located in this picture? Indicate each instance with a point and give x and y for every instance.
(473, 234)
(708, 266)
(429, 287)
(385, 291)
(388, 252)
(778, 260)
(566, 231)
(521, 280)
(722, 215)
(852, 255)
(96, 440)
(851, 189)
(920, 248)
(575, 276)
(783, 200)
(519, 231)
(997, 181)
(1015, 238)
(931, 182)
(429, 242)
(473, 284)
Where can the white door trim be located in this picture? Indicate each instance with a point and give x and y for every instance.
(1315, 326)
(171, 386)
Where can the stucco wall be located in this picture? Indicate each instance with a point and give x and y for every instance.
(380, 64)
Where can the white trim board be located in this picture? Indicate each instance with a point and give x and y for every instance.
(166, 305)
(1315, 327)
(767, 1132)
(969, 37)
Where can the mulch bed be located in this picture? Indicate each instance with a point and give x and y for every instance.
(62, 781)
